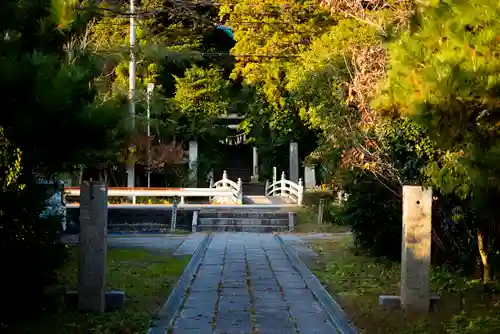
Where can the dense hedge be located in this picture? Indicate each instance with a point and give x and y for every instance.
(374, 214)
(31, 251)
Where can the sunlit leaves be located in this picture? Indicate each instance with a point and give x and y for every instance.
(64, 12)
(445, 75)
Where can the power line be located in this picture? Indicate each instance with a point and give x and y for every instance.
(181, 5)
(249, 55)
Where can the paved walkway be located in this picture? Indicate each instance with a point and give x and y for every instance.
(179, 244)
(246, 284)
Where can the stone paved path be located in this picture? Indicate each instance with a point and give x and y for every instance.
(180, 244)
(246, 284)
(188, 247)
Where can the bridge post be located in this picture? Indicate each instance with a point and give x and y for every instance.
(266, 189)
(240, 191)
(282, 184)
(300, 195)
(224, 179)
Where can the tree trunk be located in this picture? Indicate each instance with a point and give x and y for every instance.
(483, 244)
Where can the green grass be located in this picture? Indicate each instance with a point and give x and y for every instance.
(147, 280)
(356, 280)
(307, 223)
(323, 228)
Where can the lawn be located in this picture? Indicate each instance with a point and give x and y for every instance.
(307, 223)
(356, 280)
(146, 278)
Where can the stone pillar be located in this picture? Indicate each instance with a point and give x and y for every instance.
(255, 165)
(294, 162)
(193, 162)
(92, 246)
(194, 223)
(416, 248)
(291, 221)
(415, 253)
(310, 177)
(130, 174)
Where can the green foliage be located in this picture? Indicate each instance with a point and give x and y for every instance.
(462, 323)
(374, 213)
(444, 75)
(202, 92)
(378, 229)
(320, 89)
(274, 28)
(358, 279)
(62, 101)
(200, 97)
(269, 35)
(31, 238)
(144, 275)
(53, 120)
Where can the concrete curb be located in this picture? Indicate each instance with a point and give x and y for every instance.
(168, 312)
(335, 312)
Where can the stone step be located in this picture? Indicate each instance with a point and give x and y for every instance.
(254, 189)
(244, 215)
(245, 209)
(266, 200)
(242, 228)
(234, 173)
(242, 221)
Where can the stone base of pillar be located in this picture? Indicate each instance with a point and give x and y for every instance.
(390, 302)
(114, 300)
(254, 178)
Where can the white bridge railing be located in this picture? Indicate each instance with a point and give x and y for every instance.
(219, 192)
(225, 183)
(285, 188)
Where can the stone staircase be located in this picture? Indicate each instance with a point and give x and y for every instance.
(263, 220)
(270, 200)
(254, 193)
(254, 189)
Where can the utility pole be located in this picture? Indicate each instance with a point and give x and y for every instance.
(151, 87)
(131, 92)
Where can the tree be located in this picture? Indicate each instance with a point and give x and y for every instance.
(53, 120)
(444, 75)
(269, 35)
(201, 96)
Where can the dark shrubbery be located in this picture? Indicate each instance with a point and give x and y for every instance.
(374, 213)
(31, 251)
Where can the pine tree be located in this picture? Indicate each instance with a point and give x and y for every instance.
(444, 74)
